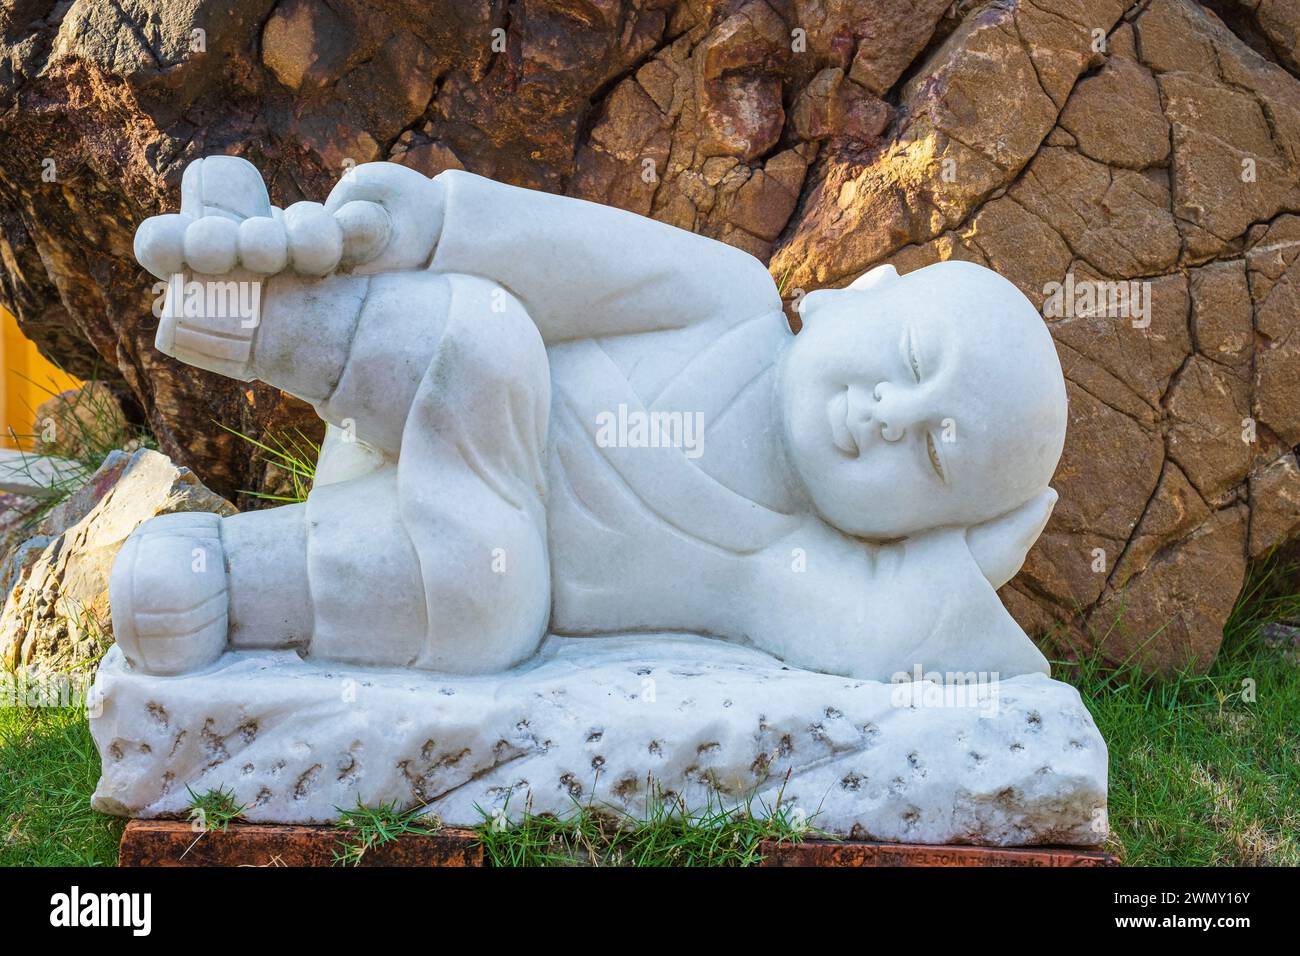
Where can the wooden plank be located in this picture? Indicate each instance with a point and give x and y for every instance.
(175, 843)
(862, 853)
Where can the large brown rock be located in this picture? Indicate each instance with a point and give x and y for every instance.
(1102, 139)
(55, 611)
(80, 423)
(1172, 162)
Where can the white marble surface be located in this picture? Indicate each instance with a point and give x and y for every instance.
(591, 720)
(550, 415)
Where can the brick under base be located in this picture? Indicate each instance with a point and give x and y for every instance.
(172, 843)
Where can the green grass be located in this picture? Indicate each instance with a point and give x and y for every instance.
(1200, 774)
(214, 809)
(293, 453)
(48, 768)
(363, 828)
(669, 835)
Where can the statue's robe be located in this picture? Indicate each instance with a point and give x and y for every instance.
(639, 319)
(514, 517)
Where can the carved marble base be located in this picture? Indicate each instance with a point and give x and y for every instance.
(593, 719)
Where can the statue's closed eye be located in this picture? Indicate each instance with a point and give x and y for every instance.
(916, 366)
(909, 350)
(933, 450)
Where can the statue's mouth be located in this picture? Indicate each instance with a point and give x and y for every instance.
(838, 412)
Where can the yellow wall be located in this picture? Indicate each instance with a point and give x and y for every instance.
(26, 380)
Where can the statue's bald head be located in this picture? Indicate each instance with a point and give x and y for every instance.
(916, 401)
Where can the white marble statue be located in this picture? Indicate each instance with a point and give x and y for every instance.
(550, 416)
(590, 523)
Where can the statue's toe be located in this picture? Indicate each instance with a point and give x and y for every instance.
(224, 186)
(168, 594)
(212, 245)
(315, 239)
(160, 244)
(263, 245)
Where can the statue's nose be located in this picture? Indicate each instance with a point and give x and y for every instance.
(897, 409)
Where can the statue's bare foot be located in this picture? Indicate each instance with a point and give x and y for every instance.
(169, 595)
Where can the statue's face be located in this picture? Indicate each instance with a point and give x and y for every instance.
(933, 399)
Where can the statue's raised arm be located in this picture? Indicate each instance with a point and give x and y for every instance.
(584, 270)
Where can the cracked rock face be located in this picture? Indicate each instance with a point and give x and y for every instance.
(55, 608)
(609, 721)
(1155, 143)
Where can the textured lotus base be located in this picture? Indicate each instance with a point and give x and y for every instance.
(594, 719)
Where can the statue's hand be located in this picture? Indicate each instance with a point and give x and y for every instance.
(227, 223)
(222, 250)
(408, 204)
(999, 545)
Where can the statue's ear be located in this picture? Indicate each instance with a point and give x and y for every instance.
(874, 278)
(809, 304)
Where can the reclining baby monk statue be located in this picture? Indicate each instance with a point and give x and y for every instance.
(547, 416)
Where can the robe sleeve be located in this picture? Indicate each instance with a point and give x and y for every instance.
(584, 270)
